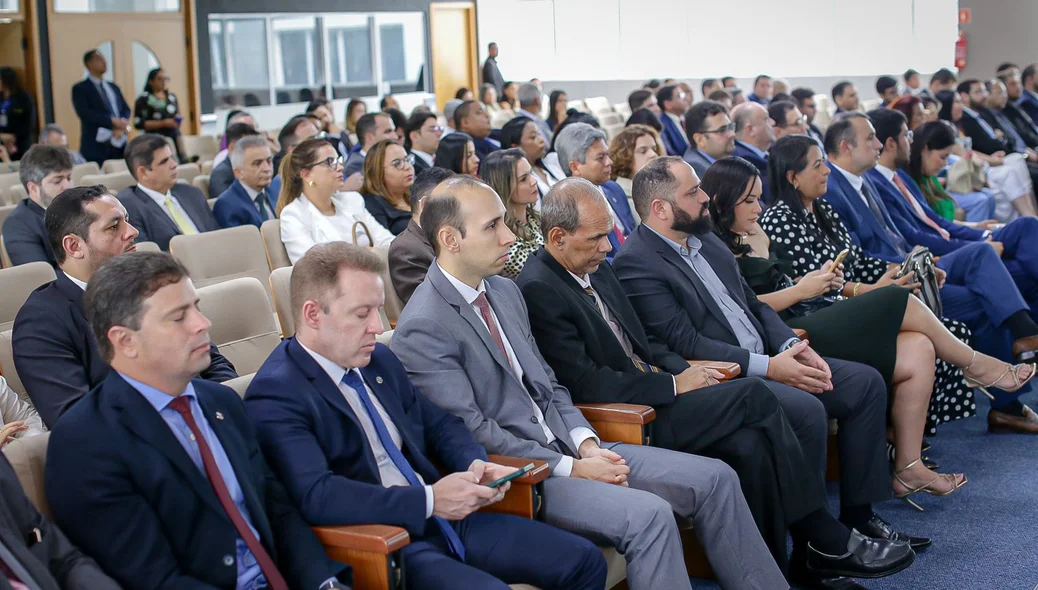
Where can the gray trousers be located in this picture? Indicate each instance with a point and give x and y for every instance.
(639, 520)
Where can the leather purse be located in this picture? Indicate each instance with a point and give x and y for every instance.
(920, 261)
(367, 232)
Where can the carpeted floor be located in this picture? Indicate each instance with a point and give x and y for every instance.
(985, 534)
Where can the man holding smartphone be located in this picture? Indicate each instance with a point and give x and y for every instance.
(354, 442)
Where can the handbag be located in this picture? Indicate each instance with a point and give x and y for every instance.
(807, 306)
(965, 176)
(367, 232)
(920, 261)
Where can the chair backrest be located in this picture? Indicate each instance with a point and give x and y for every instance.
(218, 256)
(5, 258)
(824, 111)
(243, 326)
(281, 288)
(240, 384)
(188, 172)
(623, 109)
(7, 365)
(204, 147)
(115, 182)
(610, 118)
(577, 104)
(113, 166)
(16, 284)
(612, 130)
(28, 456)
(201, 182)
(147, 247)
(16, 193)
(6, 210)
(81, 170)
(598, 104)
(393, 306)
(501, 117)
(8, 180)
(207, 167)
(277, 256)
(211, 202)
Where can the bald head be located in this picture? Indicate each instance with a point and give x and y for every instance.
(576, 222)
(753, 125)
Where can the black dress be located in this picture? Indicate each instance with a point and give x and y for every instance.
(393, 219)
(800, 242)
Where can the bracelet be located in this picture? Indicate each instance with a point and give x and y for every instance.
(854, 292)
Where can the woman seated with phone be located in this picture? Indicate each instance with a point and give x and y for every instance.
(877, 324)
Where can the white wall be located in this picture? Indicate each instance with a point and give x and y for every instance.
(685, 39)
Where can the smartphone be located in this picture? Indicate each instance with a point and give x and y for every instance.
(839, 260)
(521, 472)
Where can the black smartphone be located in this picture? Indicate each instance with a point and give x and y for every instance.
(519, 473)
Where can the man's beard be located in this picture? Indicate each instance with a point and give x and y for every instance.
(684, 223)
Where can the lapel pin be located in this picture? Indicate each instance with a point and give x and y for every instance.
(378, 380)
(219, 416)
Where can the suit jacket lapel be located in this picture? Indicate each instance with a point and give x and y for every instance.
(18, 559)
(191, 209)
(612, 300)
(71, 291)
(156, 210)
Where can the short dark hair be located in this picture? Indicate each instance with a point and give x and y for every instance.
(883, 83)
(450, 154)
(415, 124)
(116, 293)
(463, 111)
(41, 160)
(777, 111)
(943, 76)
(289, 130)
(780, 96)
(654, 181)
(707, 82)
(1028, 73)
(654, 83)
(636, 99)
(966, 85)
(238, 131)
(841, 129)
(645, 116)
(426, 181)
(318, 103)
(908, 74)
(1007, 65)
(511, 134)
(719, 95)
(666, 93)
(442, 208)
(887, 123)
(89, 55)
(801, 94)
(398, 118)
(367, 123)
(726, 79)
(491, 44)
(759, 78)
(67, 215)
(840, 88)
(141, 151)
(696, 116)
(385, 101)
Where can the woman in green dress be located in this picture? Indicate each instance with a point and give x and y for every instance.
(157, 109)
(846, 315)
(510, 175)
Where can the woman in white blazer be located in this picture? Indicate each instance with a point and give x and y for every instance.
(311, 209)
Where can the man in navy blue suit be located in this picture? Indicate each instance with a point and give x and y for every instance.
(673, 103)
(158, 474)
(45, 172)
(249, 200)
(102, 111)
(762, 88)
(583, 153)
(1028, 101)
(354, 443)
(754, 134)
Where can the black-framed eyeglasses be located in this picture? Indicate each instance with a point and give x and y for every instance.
(331, 163)
(729, 128)
(402, 163)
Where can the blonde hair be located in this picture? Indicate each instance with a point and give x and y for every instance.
(304, 156)
(375, 175)
(621, 149)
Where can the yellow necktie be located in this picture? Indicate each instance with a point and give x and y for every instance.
(178, 218)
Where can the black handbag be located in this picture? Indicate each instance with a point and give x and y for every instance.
(920, 261)
(807, 306)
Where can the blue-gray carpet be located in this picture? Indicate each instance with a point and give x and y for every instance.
(985, 534)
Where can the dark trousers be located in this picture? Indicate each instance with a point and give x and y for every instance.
(858, 402)
(741, 423)
(502, 550)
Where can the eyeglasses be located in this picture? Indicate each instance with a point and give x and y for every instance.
(729, 128)
(403, 163)
(801, 122)
(434, 129)
(331, 163)
(909, 135)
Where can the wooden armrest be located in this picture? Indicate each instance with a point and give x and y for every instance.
(539, 473)
(801, 333)
(729, 370)
(626, 423)
(371, 538)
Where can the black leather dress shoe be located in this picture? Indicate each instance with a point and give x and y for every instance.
(801, 577)
(877, 528)
(865, 558)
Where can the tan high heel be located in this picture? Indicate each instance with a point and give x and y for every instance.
(1010, 370)
(957, 480)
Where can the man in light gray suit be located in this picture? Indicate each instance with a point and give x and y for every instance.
(465, 340)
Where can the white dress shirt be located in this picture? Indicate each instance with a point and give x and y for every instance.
(160, 200)
(303, 225)
(427, 158)
(856, 183)
(78, 282)
(253, 193)
(577, 435)
(679, 123)
(388, 472)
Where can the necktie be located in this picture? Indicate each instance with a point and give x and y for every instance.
(108, 100)
(270, 572)
(918, 208)
(183, 224)
(892, 234)
(641, 365)
(352, 380)
(620, 239)
(484, 310)
(8, 566)
(262, 208)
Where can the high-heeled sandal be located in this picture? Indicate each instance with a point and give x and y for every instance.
(1010, 370)
(957, 480)
(891, 451)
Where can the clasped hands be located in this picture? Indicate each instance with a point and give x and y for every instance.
(458, 495)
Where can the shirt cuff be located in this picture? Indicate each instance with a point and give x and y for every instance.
(429, 501)
(986, 234)
(118, 142)
(675, 380)
(758, 365)
(563, 468)
(580, 434)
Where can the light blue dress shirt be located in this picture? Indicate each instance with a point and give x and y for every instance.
(250, 577)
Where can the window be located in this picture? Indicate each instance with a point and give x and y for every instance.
(239, 63)
(9, 6)
(298, 63)
(402, 49)
(111, 5)
(349, 55)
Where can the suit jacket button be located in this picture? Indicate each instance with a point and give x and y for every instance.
(533, 419)
(228, 560)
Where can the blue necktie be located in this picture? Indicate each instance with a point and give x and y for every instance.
(352, 380)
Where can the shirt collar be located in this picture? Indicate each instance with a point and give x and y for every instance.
(334, 371)
(708, 157)
(970, 112)
(78, 282)
(95, 79)
(673, 117)
(158, 399)
(428, 158)
(855, 180)
(467, 293)
(690, 247)
(584, 281)
(253, 193)
(760, 154)
(886, 172)
(155, 195)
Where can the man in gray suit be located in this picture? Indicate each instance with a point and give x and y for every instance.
(711, 135)
(465, 340)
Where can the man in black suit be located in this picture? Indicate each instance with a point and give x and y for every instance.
(987, 138)
(45, 172)
(410, 253)
(1021, 120)
(54, 352)
(754, 134)
(222, 176)
(36, 553)
(157, 474)
(472, 118)
(592, 338)
(805, 99)
(158, 206)
(491, 73)
(686, 288)
(421, 138)
(102, 111)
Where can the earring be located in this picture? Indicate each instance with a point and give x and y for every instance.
(311, 183)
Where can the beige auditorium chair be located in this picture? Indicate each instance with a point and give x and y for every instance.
(577, 104)
(243, 327)
(217, 256)
(612, 131)
(114, 182)
(28, 456)
(277, 256)
(623, 109)
(501, 117)
(188, 172)
(201, 147)
(824, 114)
(201, 182)
(5, 258)
(81, 170)
(8, 180)
(16, 284)
(207, 167)
(113, 166)
(7, 366)
(5, 210)
(598, 105)
(16, 193)
(147, 247)
(610, 118)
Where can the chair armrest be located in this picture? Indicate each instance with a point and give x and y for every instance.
(728, 370)
(524, 497)
(372, 551)
(627, 423)
(539, 473)
(801, 333)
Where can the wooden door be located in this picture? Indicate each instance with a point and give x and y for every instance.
(132, 37)
(452, 32)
